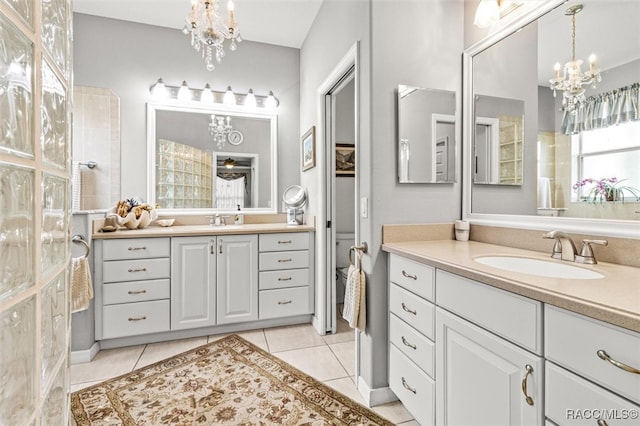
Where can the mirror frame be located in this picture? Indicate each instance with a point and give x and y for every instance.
(604, 227)
(237, 111)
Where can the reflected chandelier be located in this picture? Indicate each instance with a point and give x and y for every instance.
(208, 31)
(572, 79)
(219, 128)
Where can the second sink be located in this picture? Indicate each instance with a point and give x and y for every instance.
(542, 268)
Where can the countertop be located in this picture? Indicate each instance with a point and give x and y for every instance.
(154, 231)
(614, 299)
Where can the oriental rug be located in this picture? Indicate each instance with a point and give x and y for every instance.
(227, 382)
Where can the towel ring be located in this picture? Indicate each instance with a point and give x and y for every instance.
(79, 239)
(362, 248)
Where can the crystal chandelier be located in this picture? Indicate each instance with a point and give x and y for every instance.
(572, 79)
(208, 31)
(220, 127)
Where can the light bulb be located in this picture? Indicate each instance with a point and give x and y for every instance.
(207, 95)
(183, 93)
(250, 100)
(487, 13)
(271, 102)
(229, 97)
(159, 90)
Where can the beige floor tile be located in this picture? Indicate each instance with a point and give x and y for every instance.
(80, 386)
(292, 337)
(346, 354)
(394, 412)
(346, 387)
(162, 350)
(318, 362)
(409, 423)
(107, 364)
(344, 333)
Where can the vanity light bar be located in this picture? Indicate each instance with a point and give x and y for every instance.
(184, 93)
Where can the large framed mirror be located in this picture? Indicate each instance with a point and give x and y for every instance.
(426, 135)
(211, 158)
(574, 143)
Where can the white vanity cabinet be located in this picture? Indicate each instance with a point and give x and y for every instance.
(237, 283)
(193, 282)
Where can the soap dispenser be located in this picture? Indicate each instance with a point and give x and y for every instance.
(238, 218)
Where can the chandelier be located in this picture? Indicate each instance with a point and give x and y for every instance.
(220, 127)
(572, 79)
(208, 31)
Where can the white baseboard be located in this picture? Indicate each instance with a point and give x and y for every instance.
(373, 397)
(86, 355)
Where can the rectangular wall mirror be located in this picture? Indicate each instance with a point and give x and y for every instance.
(426, 135)
(213, 158)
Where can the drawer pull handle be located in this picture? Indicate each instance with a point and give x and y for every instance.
(137, 291)
(284, 260)
(604, 356)
(411, 311)
(284, 242)
(284, 302)
(138, 270)
(529, 371)
(602, 422)
(413, 277)
(412, 346)
(137, 248)
(138, 319)
(407, 387)
(285, 279)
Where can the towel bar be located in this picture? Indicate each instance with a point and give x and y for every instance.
(79, 239)
(362, 248)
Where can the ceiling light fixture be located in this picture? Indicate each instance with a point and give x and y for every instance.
(208, 31)
(183, 92)
(219, 128)
(207, 96)
(489, 12)
(229, 163)
(572, 79)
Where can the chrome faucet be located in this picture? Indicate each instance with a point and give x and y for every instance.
(586, 255)
(563, 248)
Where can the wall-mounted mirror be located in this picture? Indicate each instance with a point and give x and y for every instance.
(498, 140)
(569, 150)
(212, 158)
(426, 135)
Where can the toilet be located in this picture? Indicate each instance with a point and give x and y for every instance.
(343, 242)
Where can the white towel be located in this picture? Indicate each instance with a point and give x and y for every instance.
(544, 193)
(354, 310)
(81, 285)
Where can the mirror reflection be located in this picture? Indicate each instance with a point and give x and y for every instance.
(211, 158)
(426, 135)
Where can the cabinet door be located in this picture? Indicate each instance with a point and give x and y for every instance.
(193, 282)
(237, 287)
(480, 377)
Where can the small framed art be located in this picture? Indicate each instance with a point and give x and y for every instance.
(308, 141)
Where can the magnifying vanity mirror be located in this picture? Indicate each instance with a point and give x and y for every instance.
(426, 135)
(573, 143)
(213, 158)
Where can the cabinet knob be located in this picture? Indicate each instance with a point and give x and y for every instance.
(529, 371)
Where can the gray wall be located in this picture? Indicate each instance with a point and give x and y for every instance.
(128, 58)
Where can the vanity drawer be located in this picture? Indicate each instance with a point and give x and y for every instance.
(572, 400)
(414, 276)
(135, 291)
(413, 310)
(284, 241)
(135, 270)
(509, 315)
(573, 341)
(135, 248)
(129, 319)
(412, 386)
(284, 302)
(284, 260)
(284, 279)
(414, 345)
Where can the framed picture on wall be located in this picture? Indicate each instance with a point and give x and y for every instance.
(309, 149)
(345, 160)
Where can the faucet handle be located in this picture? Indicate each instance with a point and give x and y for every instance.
(586, 253)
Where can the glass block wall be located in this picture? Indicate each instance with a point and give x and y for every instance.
(35, 77)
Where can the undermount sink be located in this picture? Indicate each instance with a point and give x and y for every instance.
(542, 268)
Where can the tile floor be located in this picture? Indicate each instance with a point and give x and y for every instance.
(330, 359)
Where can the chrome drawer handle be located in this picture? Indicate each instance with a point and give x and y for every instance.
(136, 248)
(412, 346)
(605, 357)
(407, 387)
(137, 291)
(138, 319)
(284, 260)
(138, 270)
(413, 312)
(284, 242)
(602, 422)
(284, 302)
(529, 371)
(285, 279)
(413, 277)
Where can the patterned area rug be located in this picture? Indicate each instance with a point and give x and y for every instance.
(227, 382)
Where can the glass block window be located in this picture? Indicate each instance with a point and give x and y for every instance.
(53, 119)
(55, 31)
(54, 222)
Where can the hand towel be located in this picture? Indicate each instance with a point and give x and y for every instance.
(81, 285)
(544, 193)
(354, 310)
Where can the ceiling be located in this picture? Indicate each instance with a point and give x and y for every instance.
(279, 22)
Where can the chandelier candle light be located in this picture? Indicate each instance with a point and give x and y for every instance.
(572, 79)
(220, 127)
(208, 31)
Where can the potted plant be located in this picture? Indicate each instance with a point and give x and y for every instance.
(605, 189)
